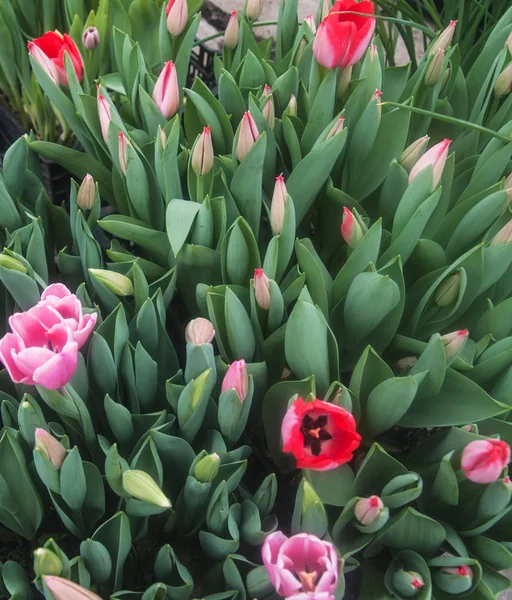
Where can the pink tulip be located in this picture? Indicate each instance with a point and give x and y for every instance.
(55, 46)
(236, 379)
(247, 135)
(43, 348)
(104, 114)
(123, 151)
(262, 289)
(232, 32)
(53, 449)
(199, 331)
(436, 157)
(310, 21)
(483, 461)
(351, 230)
(166, 94)
(45, 62)
(302, 567)
(278, 205)
(454, 342)
(63, 589)
(177, 16)
(368, 510)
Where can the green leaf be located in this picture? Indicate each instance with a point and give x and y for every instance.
(334, 487)
(179, 217)
(73, 486)
(242, 341)
(115, 535)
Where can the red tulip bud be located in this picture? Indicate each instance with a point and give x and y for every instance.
(236, 378)
(436, 157)
(278, 205)
(454, 342)
(351, 230)
(231, 33)
(444, 40)
(177, 16)
(247, 135)
(262, 289)
(367, 510)
(483, 461)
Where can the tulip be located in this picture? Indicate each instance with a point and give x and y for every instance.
(247, 135)
(454, 342)
(142, 486)
(55, 46)
(177, 16)
(343, 83)
(302, 566)
(407, 583)
(45, 62)
(202, 155)
(166, 94)
(436, 157)
(163, 137)
(86, 193)
(483, 461)
(504, 235)
(117, 283)
(291, 109)
(503, 85)
(123, 144)
(310, 21)
(62, 589)
(199, 331)
(368, 510)
(413, 153)
(448, 292)
(337, 127)
(268, 110)
(231, 33)
(300, 51)
(207, 468)
(51, 447)
(278, 205)
(254, 9)
(262, 289)
(12, 263)
(444, 40)
(495, 499)
(47, 562)
(355, 31)
(351, 229)
(435, 69)
(91, 38)
(237, 379)
(104, 114)
(454, 580)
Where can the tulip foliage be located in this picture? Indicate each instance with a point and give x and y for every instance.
(309, 269)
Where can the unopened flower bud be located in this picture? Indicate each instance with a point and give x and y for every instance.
(413, 153)
(262, 289)
(344, 82)
(86, 193)
(163, 137)
(368, 510)
(503, 85)
(123, 144)
(53, 449)
(46, 562)
(143, 487)
(104, 115)
(207, 468)
(454, 342)
(435, 69)
(91, 38)
(454, 580)
(199, 331)
(495, 499)
(202, 155)
(407, 362)
(117, 283)
(351, 230)
(177, 16)
(336, 128)
(300, 51)
(247, 135)
(278, 205)
(166, 93)
(407, 583)
(483, 461)
(444, 40)
(448, 292)
(310, 20)
(291, 109)
(268, 110)
(254, 9)
(63, 589)
(236, 378)
(10, 262)
(231, 33)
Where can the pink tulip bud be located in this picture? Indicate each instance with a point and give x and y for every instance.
(254, 9)
(463, 571)
(344, 82)
(310, 20)
(483, 461)
(166, 94)
(504, 235)
(444, 40)
(503, 85)
(278, 205)
(351, 230)
(199, 331)
(336, 128)
(436, 157)
(202, 156)
(86, 193)
(123, 151)
(367, 510)
(104, 114)
(53, 449)
(177, 16)
(454, 342)
(231, 33)
(237, 379)
(413, 153)
(268, 109)
(45, 62)
(63, 589)
(91, 38)
(262, 289)
(247, 135)
(435, 69)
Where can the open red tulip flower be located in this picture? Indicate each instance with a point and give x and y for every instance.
(343, 37)
(319, 434)
(51, 48)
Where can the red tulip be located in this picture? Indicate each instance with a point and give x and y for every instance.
(319, 434)
(54, 46)
(342, 37)
(484, 460)
(351, 230)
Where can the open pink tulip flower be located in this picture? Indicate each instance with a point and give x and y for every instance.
(302, 567)
(43, 346)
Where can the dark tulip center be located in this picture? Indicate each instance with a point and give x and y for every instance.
(314, 433)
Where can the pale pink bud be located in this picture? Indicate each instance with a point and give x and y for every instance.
(444, 40)
(63, 589)
(463, 571)
(86, 193)
(278, 205)
(310, 20)
(254, 9)
(291, 109)
(247, 135)
(104, 114)
(177, 16)
(166, 94)
(503, 85)
(123, 150)
(344, 82)
(163, 138)
(454, 342)
(268, 110)
(351, 230)
(413, 153)
(367, 510)
(199, 331)
(435, 69)
(46, 63)
(237, 379)
(336, 128)
(504, 235)
(262, 289)
(202, 156)
(483, 461)
(231, 33)
(91, 38)
(436, 157)
(53, 449)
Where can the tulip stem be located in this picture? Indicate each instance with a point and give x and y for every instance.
(452, 120)
(219, 34)
(406, 22)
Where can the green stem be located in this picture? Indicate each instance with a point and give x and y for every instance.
(219, 34)
(452, 120)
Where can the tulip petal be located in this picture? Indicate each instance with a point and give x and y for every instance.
(10, 345)
(29, 328)
(59, 370)
(59, 290)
